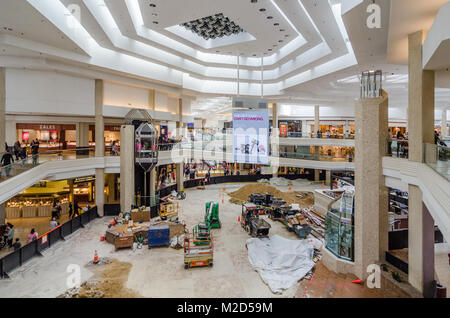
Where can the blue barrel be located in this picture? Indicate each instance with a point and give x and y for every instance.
(158, 235)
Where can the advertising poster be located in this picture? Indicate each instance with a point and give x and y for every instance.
(251, 136)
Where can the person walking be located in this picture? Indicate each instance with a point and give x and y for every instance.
(35, 151)
(32, 236)
(70, 210)
(53, 224)
(76, 209)
(6, 161)
(10, 235)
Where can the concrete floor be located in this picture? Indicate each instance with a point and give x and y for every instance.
(158, 272)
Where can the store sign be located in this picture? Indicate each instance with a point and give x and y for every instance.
(44, 239)
(84, 180)
(47, 127)
(251, 136)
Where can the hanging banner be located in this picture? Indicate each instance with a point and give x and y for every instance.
(251, 136)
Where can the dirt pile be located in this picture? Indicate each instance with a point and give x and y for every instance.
(304, 199)
(108, 281)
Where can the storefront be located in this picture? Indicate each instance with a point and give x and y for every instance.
(50, 136)
(38, 200)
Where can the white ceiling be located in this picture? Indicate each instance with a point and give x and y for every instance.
(322, 46)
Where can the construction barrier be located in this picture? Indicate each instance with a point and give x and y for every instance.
(19, 257)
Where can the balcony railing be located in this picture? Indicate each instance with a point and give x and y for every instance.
(438, 158)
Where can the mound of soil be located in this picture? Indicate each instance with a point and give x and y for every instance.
(109, 281)
(304, 199)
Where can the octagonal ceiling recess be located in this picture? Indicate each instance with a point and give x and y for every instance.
(123, 36)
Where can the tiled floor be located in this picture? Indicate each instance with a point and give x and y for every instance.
(23, 226)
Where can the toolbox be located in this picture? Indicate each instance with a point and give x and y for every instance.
(158, 235)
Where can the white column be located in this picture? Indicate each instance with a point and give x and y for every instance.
(371, 194)
(179, 177)
(82, 135)
(444, 130)
(99, 147)
(2, 129)
(2, 109)
(421, 130)
(316, 119)
(126, 167)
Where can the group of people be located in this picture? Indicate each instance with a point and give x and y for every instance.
(8, 230)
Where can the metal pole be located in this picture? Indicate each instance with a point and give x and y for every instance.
(238, 75)
(145, 187)
(262, 77)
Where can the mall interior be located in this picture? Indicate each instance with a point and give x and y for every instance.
(128, 133)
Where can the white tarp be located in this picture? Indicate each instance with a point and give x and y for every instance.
(280, 262)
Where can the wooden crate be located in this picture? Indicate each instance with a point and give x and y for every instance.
(141, 216)
(123, 241)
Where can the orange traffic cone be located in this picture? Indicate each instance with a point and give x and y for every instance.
(357, 282)
(239, 219)
(290, 188)
(323, 185)
(95, 257)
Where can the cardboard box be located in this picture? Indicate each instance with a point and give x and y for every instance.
(140, 216)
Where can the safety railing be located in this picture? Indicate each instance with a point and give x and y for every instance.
(18, 257)
(23, 164)
(398, 148)
(438, 158)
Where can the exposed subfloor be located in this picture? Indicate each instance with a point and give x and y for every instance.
(159, 272)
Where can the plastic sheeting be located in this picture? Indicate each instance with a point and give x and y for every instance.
(280, 262)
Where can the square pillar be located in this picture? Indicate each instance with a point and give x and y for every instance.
(100, 191)
(179, 177)
(2, 109)
(126, 167)
(99, 121)
(421, 131)
(328, 178)
(371, 195)
(316, 119)
(82, 132)
(153, 182)
(444, 130)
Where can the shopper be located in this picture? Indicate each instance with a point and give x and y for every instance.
(53, 224)
(17, 149)
(10, 235)
(76, 209)
(6, 161)
(35, 151)
(32, 236)
(54, 211)
(17, 244)
(70, 210)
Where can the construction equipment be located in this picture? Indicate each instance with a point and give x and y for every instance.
(302, 230)
(201, 234)
(169, 211)
(212, 215)
(252, 223)
(198, 255)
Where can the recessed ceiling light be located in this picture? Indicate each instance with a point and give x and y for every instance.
(280, 41)
(254, 1)
(276, 24)
(269, 50)
(152, 5)
(262, 10)
(282, 30)
(269, 17)
(155, 22)
(155, 14)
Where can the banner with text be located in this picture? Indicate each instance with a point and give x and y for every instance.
(251, 136)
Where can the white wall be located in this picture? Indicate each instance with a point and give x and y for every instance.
(42, 92)
(127, 96)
